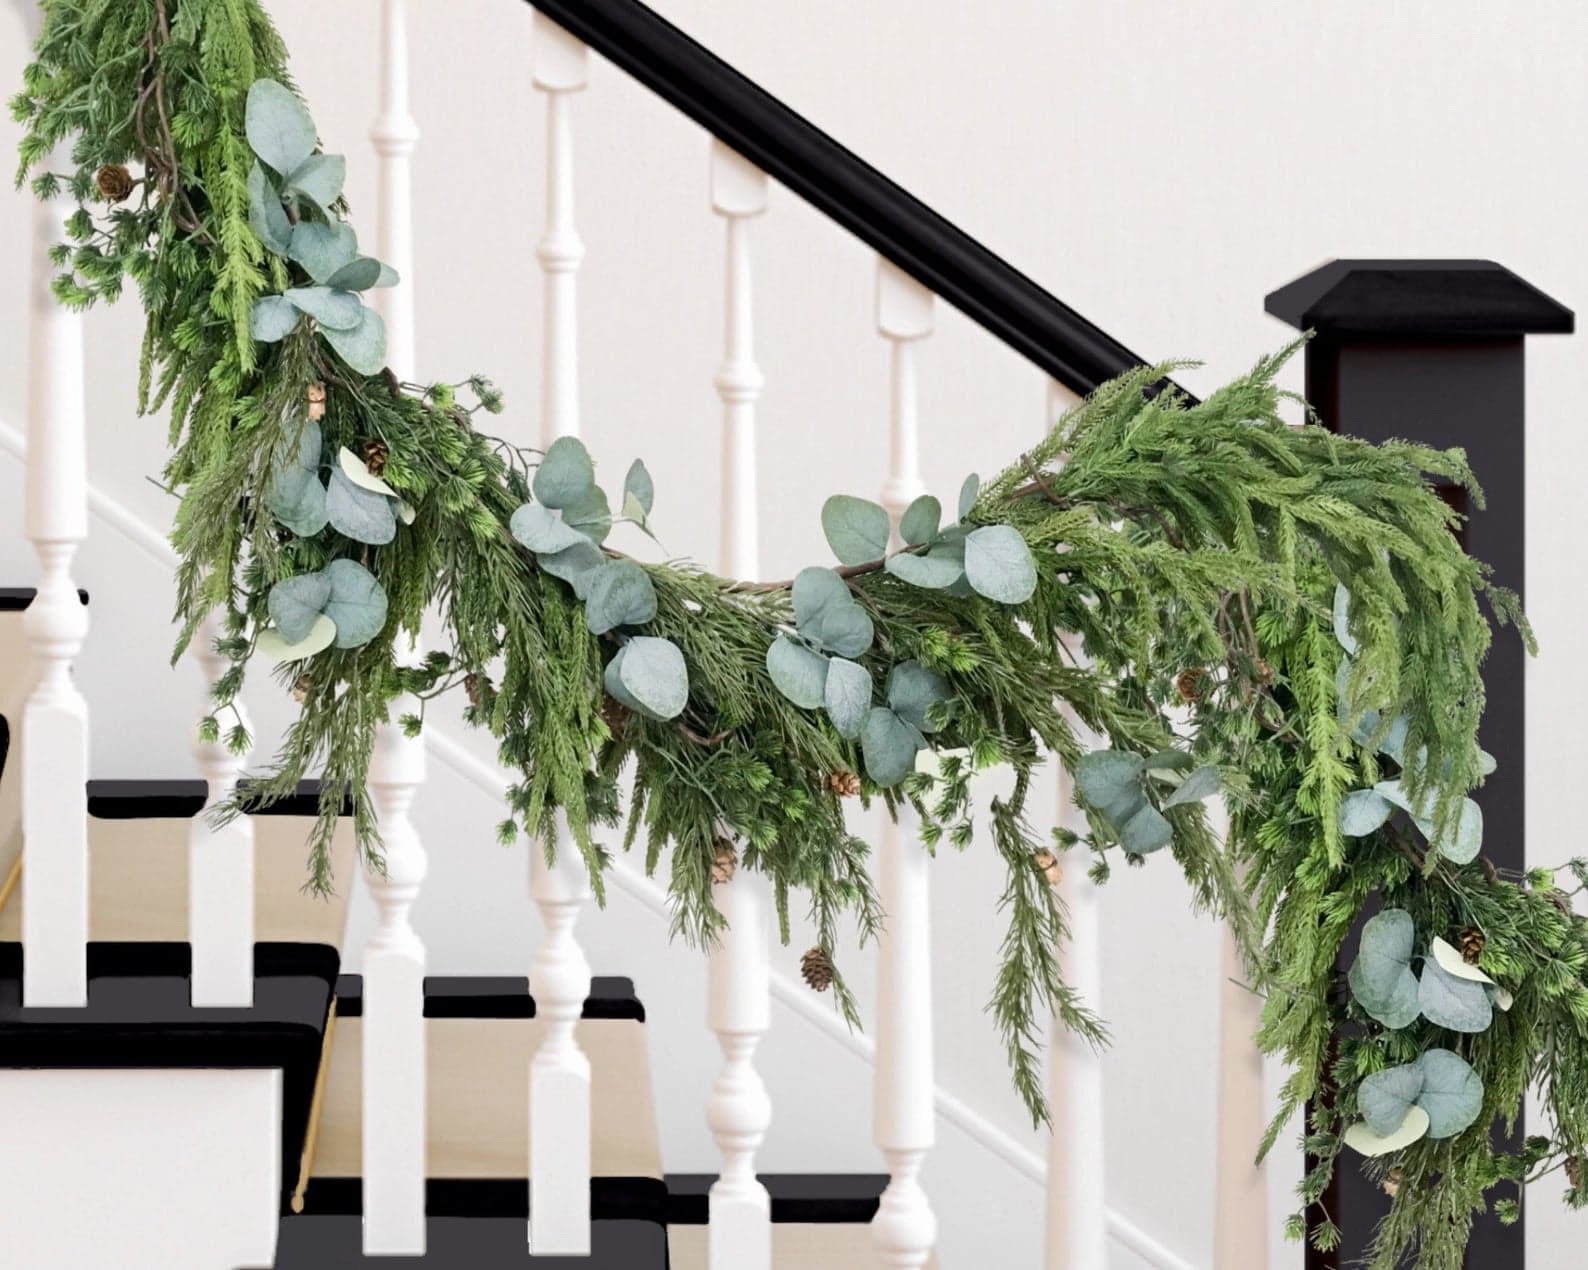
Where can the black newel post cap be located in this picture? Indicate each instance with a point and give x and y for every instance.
(1449, 298)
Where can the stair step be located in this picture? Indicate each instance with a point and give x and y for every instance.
(468, 1243)
(795, 1246)
(822, 1199)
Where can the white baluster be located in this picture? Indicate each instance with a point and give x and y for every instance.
(220, 900)
(559, 1073)
(54, 741)
(394, 1053)
(394, 137)
(1077, 1230)
(739, 1008)
(1240, 1215)
(394, 1001)
(905, 1228)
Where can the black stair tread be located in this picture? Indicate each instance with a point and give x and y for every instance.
(497, 997)
(13, 599)
(611, 1198)
(310, 1242)
(184, 799)
(139, 1015)
(803, 1198)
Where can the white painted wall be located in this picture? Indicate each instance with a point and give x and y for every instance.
(1159, 166)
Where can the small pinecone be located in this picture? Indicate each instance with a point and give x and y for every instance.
(725, 864)
(1188, 683)
(1576, 1172)
(844, 784)
(817, 967)
(114, 182)
(1263, 672)
(300, 690)
(475, 689)
(1471, 944)
(376, 453)
(316, 400)
(614, 716)
(1392, 1182)
(1046, 861)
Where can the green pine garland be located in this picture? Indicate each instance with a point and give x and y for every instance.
(1274, 612)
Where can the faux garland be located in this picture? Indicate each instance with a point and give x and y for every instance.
(1271, 612)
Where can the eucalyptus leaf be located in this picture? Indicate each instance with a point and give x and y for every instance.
(319, 178)
(266, 216)
(297, 500)
(361, 514)
(1146, 831)
(1386, 1096)
(912, 691)
(1361, 1138)
(847, 696)
(565, 475)
(321, 248)
(357, 471)
(856, 528)
(1452, 1092)
(591, 515)
(275, 647)
(999, 565)
(817, 591)
(1454, 963)
(969, 492)
(651, 677)
(920, 521)
(620, 594)
(364, 347)
(333, 310)
(278, 126)
(389, 277)
(273, 318)
(1381, 978)
(295, 603)
(846, 631)
(1457, 1004)
(1202, 783)
(1169, 759)
(1342, 620)
(638, 483)
(359, 274)
(1110, 782)
(1465, 839)
(889, 745)
(542, 530)
(1362, 811)
(930, 572)
(575, 564)
(357, 604)
(798, 673)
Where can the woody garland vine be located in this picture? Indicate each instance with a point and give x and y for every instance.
(1275, 614)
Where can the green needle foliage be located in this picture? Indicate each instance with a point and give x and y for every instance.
(1158, 575)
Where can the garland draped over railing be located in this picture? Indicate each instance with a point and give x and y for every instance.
(1271, 612)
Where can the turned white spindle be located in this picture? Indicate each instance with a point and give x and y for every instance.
(394, 136)
(54, 741)
(1077, 1228)
(559, 978)
(739, 1231)
(394, 1054)
(905, 1228)
(220, 902)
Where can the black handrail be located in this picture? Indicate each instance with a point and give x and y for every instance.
(785, 145)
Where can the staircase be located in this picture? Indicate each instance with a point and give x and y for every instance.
(174, 1023)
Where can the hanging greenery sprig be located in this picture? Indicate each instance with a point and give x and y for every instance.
(1232, 605)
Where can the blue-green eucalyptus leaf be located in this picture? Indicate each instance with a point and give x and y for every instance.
(847, 696)
(590, 515)
(1452, 1092)
(360, 514)
(566, 475)
(1381, 977)
(1361, 1138)
(319, 178)
(856, 528)
(297, 500)
(357, 604)
(797, 672)
(930, 572)
(333, 310)
(888, 745)
(845, 630)
(999, 565)
(273, 318)
(1342, 620)
(266, 215)
(1457, 1004)
(912, 691)
(1386, 1096)
(576, 565)
(1202, 783)
(1146, 831)
(273, 646)
(1110, 782)
(295, 602)
(920, 521)
(620, 594)
(969, 492)
(816, 591)
(542, 530)
(388, 276)
(357, 275)
(648, 676)
(1464, 840)
(364, 347)
(638, 483)
(323, 248)
(278, 126)
(1363, 811)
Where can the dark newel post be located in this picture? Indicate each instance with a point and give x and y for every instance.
(1432, 351)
